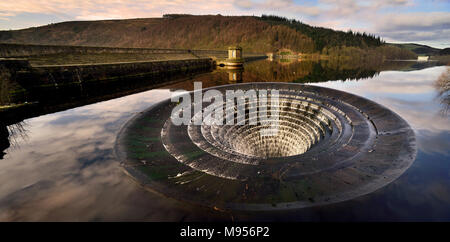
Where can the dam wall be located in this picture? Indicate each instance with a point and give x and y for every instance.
(32, 84)
(27, 91)
(46, 87)
(66, 74)
(23, 50)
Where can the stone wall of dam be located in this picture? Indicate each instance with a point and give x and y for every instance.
(26, 89)
(26, 82)
(67, 74)
(55, 76)
(24, 50)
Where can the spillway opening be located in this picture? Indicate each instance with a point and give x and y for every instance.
(324, 148)
(295, 130)
(290, 126)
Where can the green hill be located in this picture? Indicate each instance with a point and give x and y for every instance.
(445, 51)
(266, 33)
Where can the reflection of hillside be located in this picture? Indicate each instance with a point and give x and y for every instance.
(259, 71)
(413, 65)
(266, 71)
(442, 85)
(325, 71)
(335, 69)
(299, 71)
(218, 77)
(321, 71)
(5, 86)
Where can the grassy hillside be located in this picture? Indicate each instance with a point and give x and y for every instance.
(194, 32)
(327, 38)
(419, 49)
(445, 51)
(266, 33)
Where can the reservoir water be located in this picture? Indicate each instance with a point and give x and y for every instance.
(62, 166)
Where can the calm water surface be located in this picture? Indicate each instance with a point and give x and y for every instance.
(62, 166)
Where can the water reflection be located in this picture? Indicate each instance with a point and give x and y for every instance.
(40, 100)
(235, 75)
(66, 168)
(4, 140)
(302, 72)
(410, 94)
(12, 136)
(422, 193)
(17, 134)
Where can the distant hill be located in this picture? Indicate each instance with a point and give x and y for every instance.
(445, 51)
(420, 49)
(256, 34)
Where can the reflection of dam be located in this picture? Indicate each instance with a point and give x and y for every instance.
(52, 96)
(235, 75)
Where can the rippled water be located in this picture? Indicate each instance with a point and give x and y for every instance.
(62, 166)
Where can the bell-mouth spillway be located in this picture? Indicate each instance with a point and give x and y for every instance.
(327, 146)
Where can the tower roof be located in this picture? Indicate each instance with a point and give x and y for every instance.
(235, 47)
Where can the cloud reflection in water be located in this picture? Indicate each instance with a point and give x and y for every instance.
(66, 169)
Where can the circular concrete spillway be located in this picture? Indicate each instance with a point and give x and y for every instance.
(326, 146)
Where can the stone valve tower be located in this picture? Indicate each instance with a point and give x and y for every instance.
(234, 56)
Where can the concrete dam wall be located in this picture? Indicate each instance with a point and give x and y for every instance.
(16, 59)
(56, 86)
(27, 91)
(27, 51)
(23, 50)
(29, 82)
(56, 75)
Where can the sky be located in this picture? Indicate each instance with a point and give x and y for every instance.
(398, 21)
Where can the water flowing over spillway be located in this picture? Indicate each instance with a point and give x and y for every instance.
(326, 146)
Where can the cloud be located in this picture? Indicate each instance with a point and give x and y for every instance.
(287, 6)
(415, 26)
(394, 20)
(431, 143)
(414, 21)
(399, 91)
(351, 8)
(108, 9)
(4, 16)
(341, 8)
